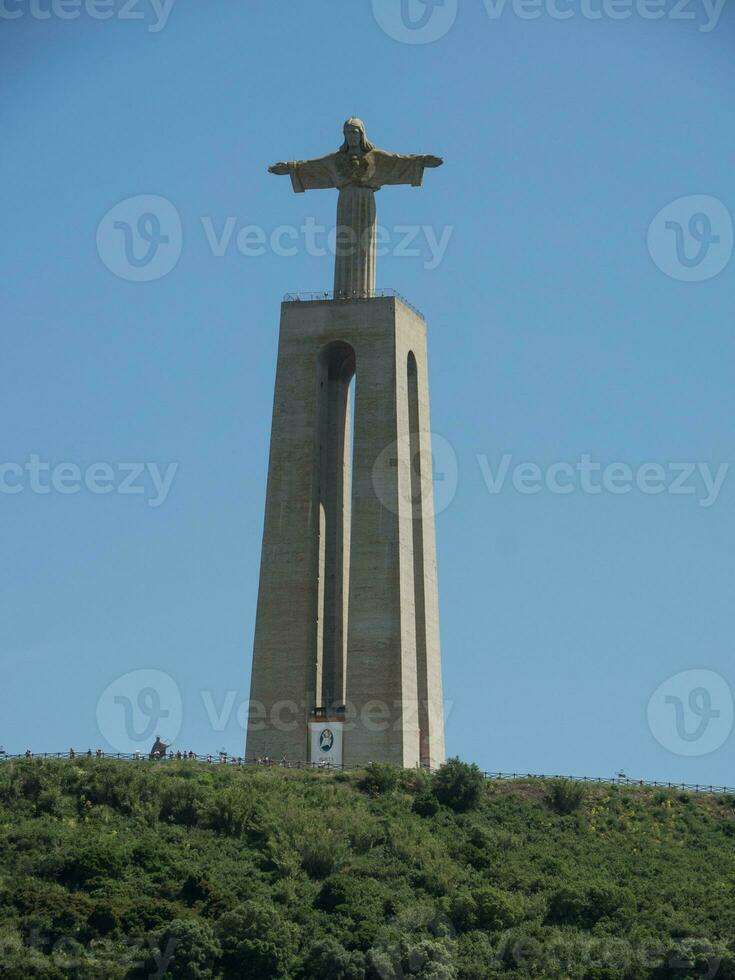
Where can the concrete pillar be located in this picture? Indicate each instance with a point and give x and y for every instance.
(347, 604)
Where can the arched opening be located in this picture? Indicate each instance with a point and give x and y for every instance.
(417, 523)
(333, 469)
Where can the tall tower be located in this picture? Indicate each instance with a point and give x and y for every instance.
(346, 663)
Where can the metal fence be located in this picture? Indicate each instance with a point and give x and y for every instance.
(616, 781)
(223, 758)
(330, 296)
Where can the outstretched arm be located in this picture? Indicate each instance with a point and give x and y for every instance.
(400, 168)
(307, 175)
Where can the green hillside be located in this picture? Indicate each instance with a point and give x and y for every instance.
(114, 869)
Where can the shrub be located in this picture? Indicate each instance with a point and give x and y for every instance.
(193, 949)
(566, 796)
(93, 861)
(31, 779)
(585, 906)
(694, 957)
(329, 960)
(256, 942)
(103, 919)
(415, 781)
(458, 785)
(358, 898)
(335, 892)
(413, 955)
(496, 910)
(568, 906)
(234, 813)
(477, 958)
(463, 911)
(106, 784)
(49, 801)
(180, 803)
(322, 854)
(425, 804)
(379, 778)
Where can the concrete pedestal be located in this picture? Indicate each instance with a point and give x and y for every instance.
(347, 605)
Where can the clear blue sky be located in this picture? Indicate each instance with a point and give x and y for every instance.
(552, 333)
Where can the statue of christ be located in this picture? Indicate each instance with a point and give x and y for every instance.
(357, 169)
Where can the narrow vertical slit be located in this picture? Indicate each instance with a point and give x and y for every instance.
(347, 531)
(417, 522)
(335, 373)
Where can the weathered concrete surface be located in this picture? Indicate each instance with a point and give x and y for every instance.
(349, 616)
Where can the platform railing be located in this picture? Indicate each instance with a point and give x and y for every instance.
(330, 296)
(223, 758)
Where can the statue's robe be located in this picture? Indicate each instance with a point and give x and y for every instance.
(357, 176)
(373, 170)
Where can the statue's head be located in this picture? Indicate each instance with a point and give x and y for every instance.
(355, 138)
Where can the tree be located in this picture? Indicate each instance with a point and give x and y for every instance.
(193, 949)
(566, 796)
(496, 909)
(329, 960)
(459, 785)
(256, 942)
(380, 777)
